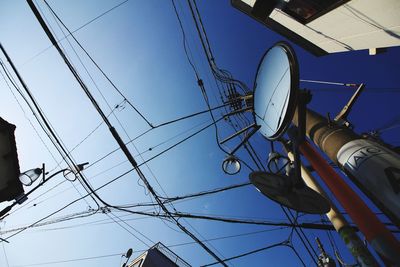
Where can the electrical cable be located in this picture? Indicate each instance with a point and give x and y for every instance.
(58, 20)
(20, 105)
(114, 133)
(5, 253)
(166, 200)
(151, 129)
(254, 222)
(77, 29)
(130, 226)
(184, 41)
(249, 253)
(73, 260)
(41, 118)
(127, 230)
(208, 192)
(97, 66)
(207, 51)
(139, 251)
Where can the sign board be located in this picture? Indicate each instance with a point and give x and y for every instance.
(377, 170)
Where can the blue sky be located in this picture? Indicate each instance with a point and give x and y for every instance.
(139, 45)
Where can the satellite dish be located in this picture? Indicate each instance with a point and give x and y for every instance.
(275, 90)
(281, 189)
(129, 253)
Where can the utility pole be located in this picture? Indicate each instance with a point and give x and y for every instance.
(380, 238)
(373, 168)
(348, 234)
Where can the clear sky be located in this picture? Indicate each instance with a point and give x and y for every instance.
(139, 45)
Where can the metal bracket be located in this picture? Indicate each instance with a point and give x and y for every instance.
(341, 118)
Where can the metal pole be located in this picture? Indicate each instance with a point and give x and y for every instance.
(346, 232)
(380, 238)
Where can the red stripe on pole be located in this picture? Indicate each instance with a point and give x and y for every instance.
(362, 216)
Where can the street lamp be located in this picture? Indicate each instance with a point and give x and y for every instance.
(29, 177)
(231, 165)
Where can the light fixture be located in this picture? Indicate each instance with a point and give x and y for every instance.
(277, 163)
(27, 178)
(30, 176)
(231, 165)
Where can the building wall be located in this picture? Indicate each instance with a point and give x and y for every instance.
(155, 258)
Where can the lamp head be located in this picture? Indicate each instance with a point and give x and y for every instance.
(27, 178)
(231, 165)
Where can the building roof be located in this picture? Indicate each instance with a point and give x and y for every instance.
(339, 26)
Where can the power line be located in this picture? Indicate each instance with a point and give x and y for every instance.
(114, 134)
(143, 250)
(249, 253)
(157, 126)
(77, 29)
(210, 58)
(97, 66)
(8, 76)
(126, 229)
(166, 200)
(157, 155)
(41, 119)
(254, 222)
(208, 192)
(146, 161)
(73, 260)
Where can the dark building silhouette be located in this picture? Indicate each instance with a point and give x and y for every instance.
(158, 256)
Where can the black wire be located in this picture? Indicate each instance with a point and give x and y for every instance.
(97, 66)
(127, 230)
(149, 130)
(139, 251)
(77, 29)
(12, 81)
(253, 222)
(115, 135)
(184, 41)
(74, 260)
(207, 51)
(249, 253)
(208, 192)
(41, 118)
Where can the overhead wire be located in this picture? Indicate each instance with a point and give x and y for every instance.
(112, 85)
(70, 33)
(5, 253)
(143, 250)
(53, 135)
(118, 222)
(210, 59)
(77, 29)
(147, 131)
(114, 134)
(8, 76)
(166, 200)
(283, 243)
(42, 120)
